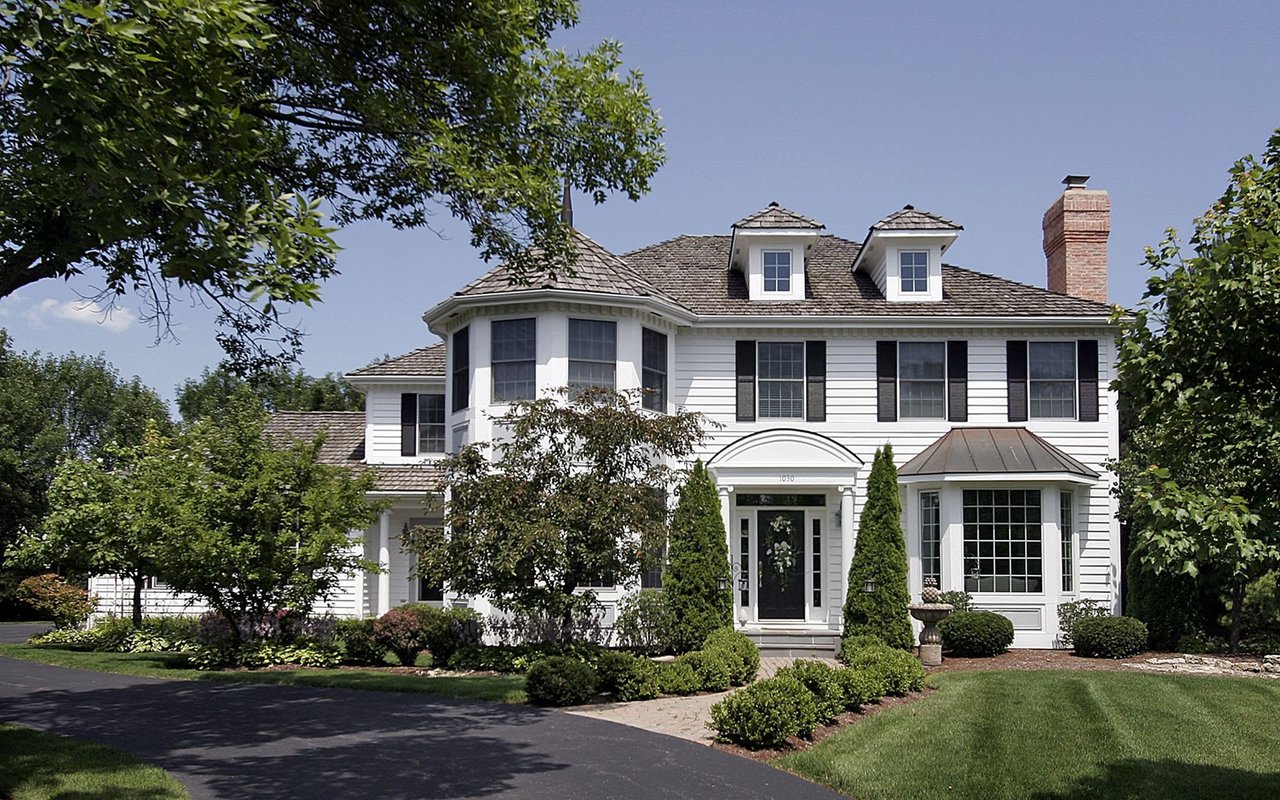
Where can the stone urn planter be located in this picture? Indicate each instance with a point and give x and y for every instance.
(930, 612)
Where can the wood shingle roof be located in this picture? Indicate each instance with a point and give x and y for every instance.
(775, 216)
(344, 446)
(425, 362)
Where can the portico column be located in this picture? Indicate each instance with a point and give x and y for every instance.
(384, 561)
(726, 515)
(846, 533)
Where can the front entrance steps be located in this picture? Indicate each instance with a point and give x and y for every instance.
(794, 643)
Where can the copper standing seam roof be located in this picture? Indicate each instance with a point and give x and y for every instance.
(992, 450)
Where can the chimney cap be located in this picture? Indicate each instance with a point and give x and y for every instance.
(1075, 181)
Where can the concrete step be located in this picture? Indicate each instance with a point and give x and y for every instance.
(795, 644)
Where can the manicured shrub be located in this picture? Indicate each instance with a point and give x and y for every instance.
(880, 555)
(1110, 637)
(849, 645)
(1169, 603)
(740, 651)
(1071, 613)
(561, 681)
(859, 686)
(677, 677)
(822, 683)
(976, 634)
(446, 630)
(627, 676)
(698, 559)
(645, 623)
(360, 644)
(765, 714)
(67, 605)
(403, 631)
(518, 658)
(958, 600)
(711, 668)
(898, 671)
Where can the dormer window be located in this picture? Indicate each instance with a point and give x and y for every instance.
(777, 270)
(913, 270)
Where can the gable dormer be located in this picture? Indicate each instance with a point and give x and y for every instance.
(769, 248)
(903, 254)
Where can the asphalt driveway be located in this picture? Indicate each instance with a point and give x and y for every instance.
(277, 742)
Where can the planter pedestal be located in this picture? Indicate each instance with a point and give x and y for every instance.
(930, 612)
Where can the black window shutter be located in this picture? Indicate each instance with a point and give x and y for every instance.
(958, 381)
(1087, 365)
(746, 373)
(815, 381)
(887, 381)
(1016, 375)
(408, 424)
(461, 355)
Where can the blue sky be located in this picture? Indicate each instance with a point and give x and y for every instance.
(841, 111)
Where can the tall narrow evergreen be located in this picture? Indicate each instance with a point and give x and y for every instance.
(880, 556)
(698, 558)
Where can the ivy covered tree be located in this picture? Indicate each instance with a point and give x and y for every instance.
(571, 498)
(1199, 373)
(192, 145)
(698, 559)
(880, 557)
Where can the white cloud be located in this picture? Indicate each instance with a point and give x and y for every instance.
(113, 319)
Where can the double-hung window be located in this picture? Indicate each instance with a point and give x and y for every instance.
(1002, 544)
(1051, 378)
(777, 270)
(653, 370)
(922, 380)
(430, 423)
(931, 536)
(913, 271)
(780, 371)
(513, 358)
(593, 354)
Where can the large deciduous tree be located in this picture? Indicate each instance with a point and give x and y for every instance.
(192, 144)
(281, 388)
(573, 497)
(1199, 372)
(698, 563)
(880, 561)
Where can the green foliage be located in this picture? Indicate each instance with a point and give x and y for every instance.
(177, 144)
(766, 714)
(569, 499)
(958, 600)
(711, 668)
(68, 606)
(360, 644)
(447, 630)
(979, 634)
(1110, 637)
(698, 560)
(1199, 374)
(859, 687)
(561, 681)
(741, 653)
(849, 645)
(822, 683)
(880, 555)
(1072, 612)
(518, 658)
(627, 676)
(645, 622)
(1260, 613)
(257, 655)
(1169, 603)
(898, 672)
(281, 388)
(677, 677)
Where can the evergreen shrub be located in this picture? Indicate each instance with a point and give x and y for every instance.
(360, 644)
(1072, 612)
(1168, 603)
(740, 651)
(561, 681)
(849, 645)
(1110, 637)
(677, 677)
(976, 634)
(898, 671)
(711, 669)
(859, 686)
(880, 555)
(698, 559)
(822, 683)
(627, 676)
(645, 623)
(766, 713)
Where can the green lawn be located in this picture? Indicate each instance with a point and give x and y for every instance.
(499, 688)
(42, 766)
(1060, 735)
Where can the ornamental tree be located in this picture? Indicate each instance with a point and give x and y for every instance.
(1199, 374)
(880, 556)
(281, 388)
(698, 559)
(191, 145)
(572, 496)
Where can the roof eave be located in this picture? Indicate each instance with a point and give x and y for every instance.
(357, 380)
(1003, 477)
(898, 321)
(451, 305)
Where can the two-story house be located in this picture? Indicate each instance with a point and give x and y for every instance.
(810, 350)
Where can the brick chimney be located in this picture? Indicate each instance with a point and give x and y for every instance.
(1076, 228)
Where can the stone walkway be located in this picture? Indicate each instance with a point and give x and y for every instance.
(682, 717)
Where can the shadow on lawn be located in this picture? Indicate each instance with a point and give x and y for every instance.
(1169, 780)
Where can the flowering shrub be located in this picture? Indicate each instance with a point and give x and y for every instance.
(69, 606)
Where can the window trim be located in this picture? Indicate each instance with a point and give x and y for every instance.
(902, 289)
(1043, 591)
(944, 380)
(1075, 381)
(655, 400)
(801, 381)
(443, 424)
(570, 360)
(493, 373)
(764, 279)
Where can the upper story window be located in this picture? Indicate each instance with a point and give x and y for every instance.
(421, 424)
(460, 352)
(922, 380)
(1051, 376)
(593, 353)
(777, 270)
(913, 271)
(653, 370)
(513, 358)
(780, 371)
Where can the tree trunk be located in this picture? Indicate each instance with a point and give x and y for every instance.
(138, 582)
(1237, 601)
